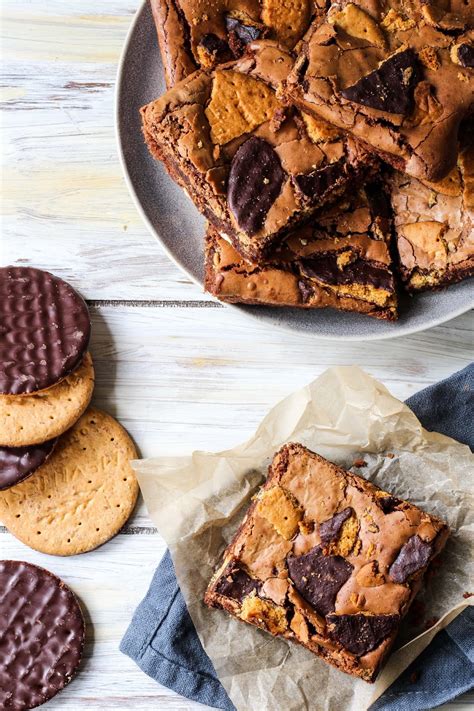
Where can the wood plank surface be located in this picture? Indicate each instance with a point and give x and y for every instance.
(177, 370)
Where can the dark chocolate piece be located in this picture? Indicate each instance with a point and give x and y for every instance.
(318, 578)
(44, 330)
(466, 55)
(388, 503)
(42, 634)
(236, 583)
(245, 33)
(18, 463)
(325, 267)
(390, 87)
(216, 46)
(329, 530)
(360, 634)
(316, 184)
(255, 181)
(413, 556)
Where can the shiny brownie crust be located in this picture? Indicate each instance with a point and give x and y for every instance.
(252, 166)
(340, 259)
(328, 560)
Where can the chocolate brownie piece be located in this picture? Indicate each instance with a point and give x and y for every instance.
(434, 224)
(328, 560)
(397, 75)
(254, 167)
(341, 259)
(202, 34)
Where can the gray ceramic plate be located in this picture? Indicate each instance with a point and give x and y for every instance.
(176, 223)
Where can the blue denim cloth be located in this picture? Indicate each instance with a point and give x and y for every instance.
(162, 640)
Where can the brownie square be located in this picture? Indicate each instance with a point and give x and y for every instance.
(203, 34)
(434, 225)
(254, 167)
(399, 76)
(341, 259)
(328, 560)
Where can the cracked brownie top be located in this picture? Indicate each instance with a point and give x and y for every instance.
(253, 166)
(209, 32)
(434, 225)
(340, 259)
(327, 559)
(398, 75)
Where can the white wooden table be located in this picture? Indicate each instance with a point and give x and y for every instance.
(179, 371)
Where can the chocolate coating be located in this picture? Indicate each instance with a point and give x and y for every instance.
(361, 633)
(318, 183)
(329, 530)
(413, 556)
(42, 634)
(44, 330)
(18, 463)
(318, 578)
(466, 55)
(388, 503)
(390, 87)
(245, 33)
(217, 47)
(325, 268)
(236, 583)
(255, 181)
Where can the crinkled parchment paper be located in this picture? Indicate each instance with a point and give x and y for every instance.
(197, 502)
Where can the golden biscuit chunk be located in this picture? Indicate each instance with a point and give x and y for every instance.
(276, 506)
(357, 23)
(239, 103)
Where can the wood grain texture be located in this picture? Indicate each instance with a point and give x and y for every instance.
(178, 370)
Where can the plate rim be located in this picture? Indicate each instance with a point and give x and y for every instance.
(244, 309)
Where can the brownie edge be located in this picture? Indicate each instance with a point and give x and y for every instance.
(328, 560)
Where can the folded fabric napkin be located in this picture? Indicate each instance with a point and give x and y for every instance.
(162, 640)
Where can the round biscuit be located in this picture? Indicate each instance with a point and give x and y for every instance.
(35, 418)
(81, 496)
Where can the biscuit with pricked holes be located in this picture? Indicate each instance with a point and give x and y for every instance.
(239, 103)
(82, 495)
(37, 417)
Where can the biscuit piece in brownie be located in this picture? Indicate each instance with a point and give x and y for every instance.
(340, 259)
(434, 225)
(254, 167)
(327, 559)
(397, 75)
(202, 34)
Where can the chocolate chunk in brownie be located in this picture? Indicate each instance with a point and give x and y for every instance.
(361, 634)
(321, 560)
(412, 557)
(241, 155)
(318, 577)
(340, 259)
(398, 76)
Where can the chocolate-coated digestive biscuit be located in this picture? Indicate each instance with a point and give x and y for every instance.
(18, 463)
(42, 633)
(328, 560)
(43, 415)
(202, 34)
(340, 259)
(44, 330)
(254, 167)
(434, 225)
(397, 75)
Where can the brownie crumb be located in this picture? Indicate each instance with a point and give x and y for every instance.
(359, 463)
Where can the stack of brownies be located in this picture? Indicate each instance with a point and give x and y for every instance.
(331, 147)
